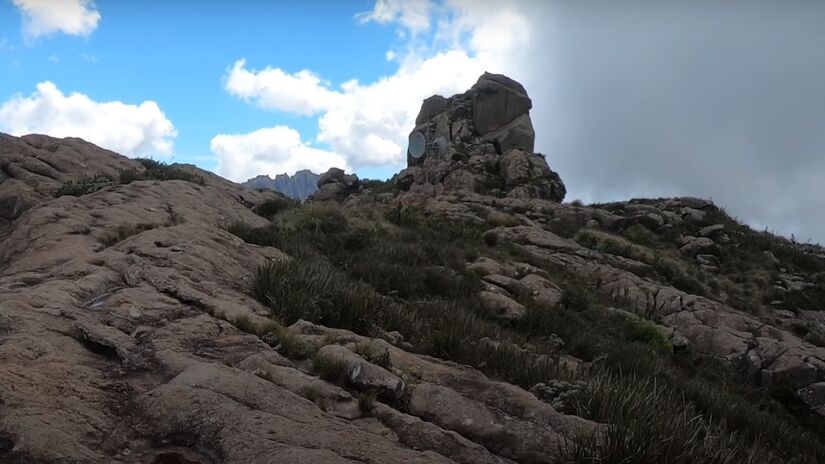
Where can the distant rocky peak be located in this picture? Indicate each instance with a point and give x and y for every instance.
(298, 186)
(480, 141)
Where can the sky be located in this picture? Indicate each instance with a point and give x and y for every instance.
(637, 98)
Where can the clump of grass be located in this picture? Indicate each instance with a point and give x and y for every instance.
(320, 218)
(83, 186)
(156, 170)
(646, 332)
(121, 232)
(268, 235)
(374, 354)
(244, 324)
(270, 208)
(331, 370)
(313, 290)
(501, 219)
(648, 423)
(366, 401)
(288, 343)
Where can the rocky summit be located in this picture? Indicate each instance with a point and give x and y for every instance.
(480, 141)
(459, 313)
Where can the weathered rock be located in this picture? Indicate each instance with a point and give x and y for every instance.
(363, 374)
(501, 306)
(335, 184)
(481, 141)
(420, 434)
(497, 100)
(544, 292)
(692, 246)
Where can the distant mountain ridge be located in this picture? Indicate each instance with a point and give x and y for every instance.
(299, 186)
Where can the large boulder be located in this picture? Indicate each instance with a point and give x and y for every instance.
(335, 184)
(497, 100)
(481, 141)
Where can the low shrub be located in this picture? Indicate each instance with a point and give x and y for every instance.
(120, 233)
(366, 401)
(315, 291)
(374, 354)
(270, 208)
(156, 170)
(83, 186)
(264, 236)
(331, 370)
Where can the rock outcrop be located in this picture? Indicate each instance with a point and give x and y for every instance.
(335, 184)
(298, 186)
(128, 335)
(481, 141)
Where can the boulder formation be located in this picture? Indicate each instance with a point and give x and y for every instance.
(335, 184)
(480, 141)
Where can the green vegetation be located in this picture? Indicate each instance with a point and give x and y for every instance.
(366, 401)
(374, 271)
(374, 355)
(270, 208)
(153, 170)
(83, 186)
(156, 170)
(331, 370)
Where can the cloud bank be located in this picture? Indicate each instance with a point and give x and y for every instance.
(134, 130)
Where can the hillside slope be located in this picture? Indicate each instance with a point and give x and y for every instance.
(460, 313)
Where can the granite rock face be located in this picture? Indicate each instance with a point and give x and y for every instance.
(480, 141)
(335, 184)
(298, 186)
(128, 335)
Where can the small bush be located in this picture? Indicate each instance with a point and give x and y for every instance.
(331, 370)
(366, 401)
(500, 219)
(323, 218)
(120, 233)
(264, 236)
(270, 208)
(156, 170)
(244, 324)
(314, 291)
(644, 331)
(374, 354)
(289, 344)
(83, 186)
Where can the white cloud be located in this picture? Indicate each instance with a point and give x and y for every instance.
(270, 151)
(366, 124)
(414, 15)
(137, 130)
(371, 124)
(301, 93)
(46, 17)
(54, 58)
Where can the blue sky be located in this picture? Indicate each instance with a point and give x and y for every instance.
(638, 98)
(177, 54)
